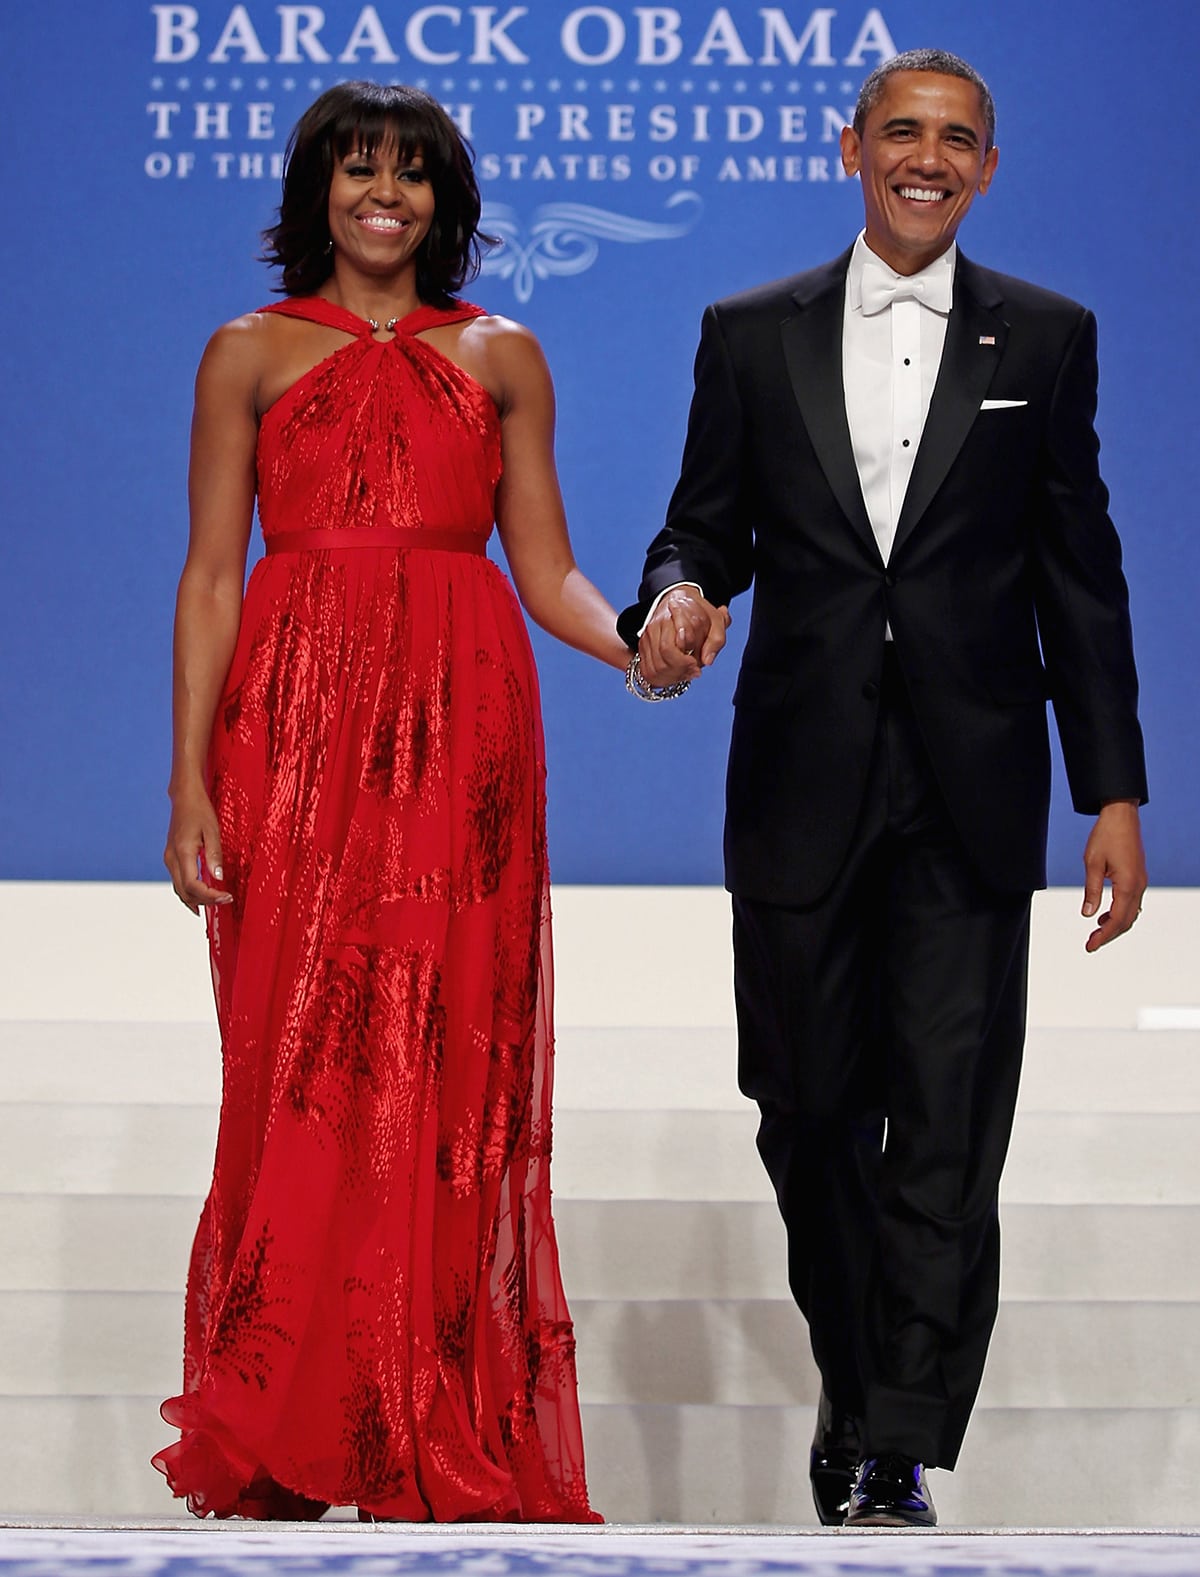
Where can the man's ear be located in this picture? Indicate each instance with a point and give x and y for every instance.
(851, 150)
(990, 160)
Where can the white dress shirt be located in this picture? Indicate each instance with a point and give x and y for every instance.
(890, 362)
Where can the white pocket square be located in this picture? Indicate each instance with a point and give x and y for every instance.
(1001, 405)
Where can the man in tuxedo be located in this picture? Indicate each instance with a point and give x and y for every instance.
(897, 449)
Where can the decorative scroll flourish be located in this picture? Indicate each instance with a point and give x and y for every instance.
(565, 238)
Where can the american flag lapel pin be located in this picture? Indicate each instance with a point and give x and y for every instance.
(987, 339)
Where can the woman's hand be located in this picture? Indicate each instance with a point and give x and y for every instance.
(194, 850)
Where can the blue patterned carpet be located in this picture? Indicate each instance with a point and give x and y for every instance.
(193, 1550)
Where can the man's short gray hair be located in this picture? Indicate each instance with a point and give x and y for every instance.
(940, 61)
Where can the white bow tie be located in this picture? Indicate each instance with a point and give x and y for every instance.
(880, 287)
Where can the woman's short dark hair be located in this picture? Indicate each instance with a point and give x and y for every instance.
(364, 116)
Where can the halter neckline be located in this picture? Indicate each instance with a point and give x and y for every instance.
(316, 309)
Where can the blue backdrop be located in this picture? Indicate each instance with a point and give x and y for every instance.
(640, 161)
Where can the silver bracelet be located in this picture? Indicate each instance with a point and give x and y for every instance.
(644, 691)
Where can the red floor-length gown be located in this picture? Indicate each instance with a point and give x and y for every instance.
(374, 1314)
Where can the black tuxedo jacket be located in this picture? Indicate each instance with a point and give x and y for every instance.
(1004, 585)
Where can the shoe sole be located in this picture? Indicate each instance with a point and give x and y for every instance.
(881, 1519)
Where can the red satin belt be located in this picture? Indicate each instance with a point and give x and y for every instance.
(376, 537)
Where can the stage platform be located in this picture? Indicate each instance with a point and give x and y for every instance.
(159, 1549)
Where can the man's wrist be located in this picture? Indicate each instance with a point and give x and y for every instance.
(666, 592)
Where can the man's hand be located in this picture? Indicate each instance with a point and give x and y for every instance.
(684, 635)
(1114, 853)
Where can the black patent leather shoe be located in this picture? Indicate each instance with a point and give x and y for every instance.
(833, 1462)
(890, 1492)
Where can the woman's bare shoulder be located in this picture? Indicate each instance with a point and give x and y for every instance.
(506, 334)
(250, 335)
(242, 350)
(510, 351)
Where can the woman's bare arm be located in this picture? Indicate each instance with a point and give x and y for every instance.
(221, 486)
(529, 510)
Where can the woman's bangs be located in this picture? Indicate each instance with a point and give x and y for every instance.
(367, 128)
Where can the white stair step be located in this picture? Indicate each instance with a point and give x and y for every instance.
(1094, 1252)
(110, 1063)
(712, 1351)
(756, 1353)
(96, 1242)
(89, 1456)
(1055, 1157)
(146, 959)
(1065, 1070)
(1077, 1070)
(1019, 1468)
(1103, 1159)
(636, 1248)
(106, 1149)
(1113, 1070)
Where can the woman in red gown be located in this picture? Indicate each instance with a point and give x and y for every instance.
(374, 1310)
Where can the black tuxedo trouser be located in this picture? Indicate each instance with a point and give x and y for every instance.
(880, 1030)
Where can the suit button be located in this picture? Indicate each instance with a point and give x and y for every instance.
(889, 579)
(870, 691)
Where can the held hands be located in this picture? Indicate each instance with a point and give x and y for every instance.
(194, 847)
(684, 635)
(1114, 853)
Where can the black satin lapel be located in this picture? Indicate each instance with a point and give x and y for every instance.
(812, 348)
(975, 338)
